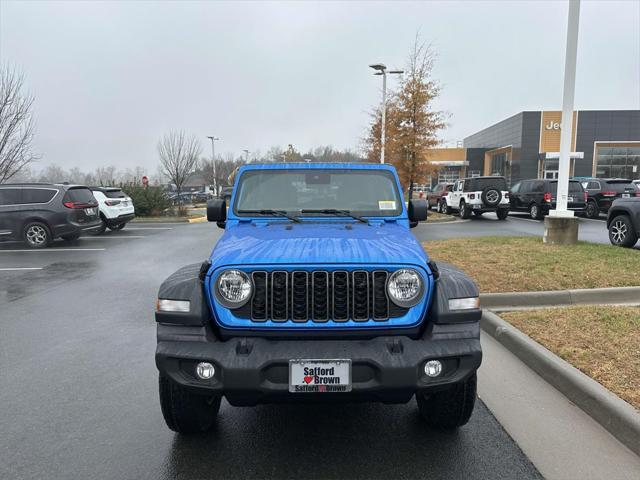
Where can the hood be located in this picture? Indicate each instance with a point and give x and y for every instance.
(317, 243)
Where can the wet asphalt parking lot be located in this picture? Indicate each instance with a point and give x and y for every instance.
(78, 385)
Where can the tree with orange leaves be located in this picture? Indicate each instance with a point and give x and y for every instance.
(412, 125)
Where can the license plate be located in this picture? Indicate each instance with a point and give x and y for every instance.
(90, 211)
(626, 195)
(570, 199)
(323, 376)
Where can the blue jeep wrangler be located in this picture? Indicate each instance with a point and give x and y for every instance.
(317, 291)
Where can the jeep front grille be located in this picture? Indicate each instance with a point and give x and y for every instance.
(319, 296)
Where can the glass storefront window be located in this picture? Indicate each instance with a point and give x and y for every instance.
(618, 162)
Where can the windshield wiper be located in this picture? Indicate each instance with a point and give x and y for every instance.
(277, 213)
(333, 211)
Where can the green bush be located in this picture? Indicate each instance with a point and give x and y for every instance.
(147, 200)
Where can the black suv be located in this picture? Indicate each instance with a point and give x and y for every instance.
(39, 213)
(539, 196)
(601, 192)
(623, 222)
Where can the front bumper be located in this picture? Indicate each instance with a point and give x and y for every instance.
(252, 370)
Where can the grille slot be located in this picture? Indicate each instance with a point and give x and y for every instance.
(340, 296)
(380, 299)
(299, 297)
(279, 297)
(320, 293)
(360, 296)
(319, 296)
(259, 300)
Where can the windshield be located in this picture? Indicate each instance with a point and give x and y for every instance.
(362, 192)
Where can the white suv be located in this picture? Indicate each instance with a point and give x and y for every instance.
(479, 195)
(116, 208)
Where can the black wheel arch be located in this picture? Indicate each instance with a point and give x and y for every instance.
(452, 283)
(35, 219)
(186, 283)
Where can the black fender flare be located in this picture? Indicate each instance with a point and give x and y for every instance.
(452, 283)
(186, 283)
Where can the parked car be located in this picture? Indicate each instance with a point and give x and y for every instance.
(330, 299)
(538, 196)
(202, 196)
(478, 195)
(623, 221)
(435, 196)
(601, 192)
(225, 194)
(116, 207)
(38, 213)
(180, 198)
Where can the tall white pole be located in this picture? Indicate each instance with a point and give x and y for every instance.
(384, 115)
(567, 112)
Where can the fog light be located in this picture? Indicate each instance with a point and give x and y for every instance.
(433, 368)
(204, 370)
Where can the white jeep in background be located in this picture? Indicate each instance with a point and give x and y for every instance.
(479, 195)
(116, 208)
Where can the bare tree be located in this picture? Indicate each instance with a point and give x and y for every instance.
(179, 156)
(16, 124)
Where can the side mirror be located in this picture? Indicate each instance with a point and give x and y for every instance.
(417, 211)
(217, 212)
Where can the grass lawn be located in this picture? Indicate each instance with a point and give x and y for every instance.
(601, 341)
(518, 264)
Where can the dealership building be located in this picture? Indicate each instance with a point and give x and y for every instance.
(604, 143)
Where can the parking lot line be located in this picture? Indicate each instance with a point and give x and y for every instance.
(113, 236)
(50, 250)
(16, 269)
(539, 222)
(149, 228)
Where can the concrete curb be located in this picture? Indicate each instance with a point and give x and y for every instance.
(610, 411)
(590, 296)
(198, 220)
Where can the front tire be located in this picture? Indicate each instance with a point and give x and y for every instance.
(119, 226)
(451, 408)
(186, 412)
(621, 232)
(444, 208)
(37, 235)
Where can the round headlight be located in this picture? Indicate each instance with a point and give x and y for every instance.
(233, 288)
(405, 287)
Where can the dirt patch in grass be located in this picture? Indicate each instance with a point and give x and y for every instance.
(518, 264)
(439, 217)
(603, 342)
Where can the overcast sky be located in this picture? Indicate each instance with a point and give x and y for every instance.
(110, 78)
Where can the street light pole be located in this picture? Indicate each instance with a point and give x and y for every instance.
(567, 112)
(381, 69)
(213, 161)
(247, 153)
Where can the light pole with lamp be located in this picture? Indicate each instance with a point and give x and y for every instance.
(247, 153)
(381, 69)
(213, 161)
